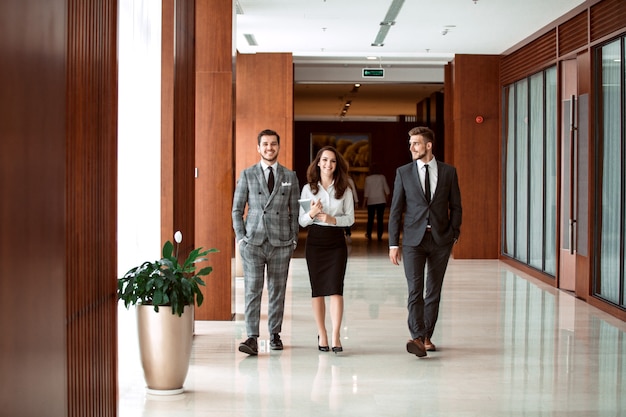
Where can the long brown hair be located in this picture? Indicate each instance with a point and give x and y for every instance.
(340, 175)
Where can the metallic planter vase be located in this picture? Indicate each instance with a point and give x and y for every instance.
(165, 348)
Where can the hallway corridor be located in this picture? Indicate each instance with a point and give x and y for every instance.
(508, 345)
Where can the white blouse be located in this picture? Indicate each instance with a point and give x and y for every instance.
(341, 209)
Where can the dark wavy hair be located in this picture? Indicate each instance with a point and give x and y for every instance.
(340, 175)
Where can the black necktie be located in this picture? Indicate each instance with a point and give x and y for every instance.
(427, 184)
(270, 180)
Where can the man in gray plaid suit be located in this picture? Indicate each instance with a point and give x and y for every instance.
(267, 236)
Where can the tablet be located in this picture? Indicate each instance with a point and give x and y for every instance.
(305, 204)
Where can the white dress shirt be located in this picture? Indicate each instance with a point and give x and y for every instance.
(341, 209)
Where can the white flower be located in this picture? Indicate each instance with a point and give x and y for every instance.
(178, 236)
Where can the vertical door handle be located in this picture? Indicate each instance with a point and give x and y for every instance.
(572, 176)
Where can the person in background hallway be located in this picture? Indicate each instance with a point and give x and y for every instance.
(376, 192)
(355, 195)
(331, 210)
(267, 237)
(427, 192)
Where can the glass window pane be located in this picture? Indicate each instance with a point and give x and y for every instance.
(530, 171)
(509, 215)
(608, 284)
(536, 177)
(550, 172)
(521, 172)
(622, 124)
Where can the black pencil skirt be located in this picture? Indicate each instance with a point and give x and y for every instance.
(326, 257)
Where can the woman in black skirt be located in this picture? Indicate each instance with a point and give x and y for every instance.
(327, 207)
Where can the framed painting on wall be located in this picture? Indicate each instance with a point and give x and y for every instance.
(354, 147)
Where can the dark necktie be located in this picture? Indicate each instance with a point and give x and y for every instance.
(427, 184)
(270, 180)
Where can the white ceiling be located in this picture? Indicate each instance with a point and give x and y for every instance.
(331, 40)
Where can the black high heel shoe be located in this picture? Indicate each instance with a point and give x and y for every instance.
(322, 348)
(337, 349)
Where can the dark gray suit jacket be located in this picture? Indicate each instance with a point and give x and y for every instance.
(444, 210)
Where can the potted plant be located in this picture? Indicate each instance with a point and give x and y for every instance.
(161, 290)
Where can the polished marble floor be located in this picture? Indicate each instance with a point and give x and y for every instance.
(508, 345)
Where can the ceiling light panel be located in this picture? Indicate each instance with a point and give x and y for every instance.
(250, 39)
(394, 10)
(390, 20)
(238, 8)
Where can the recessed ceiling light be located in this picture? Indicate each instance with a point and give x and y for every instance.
(238, 7)
(250, 39)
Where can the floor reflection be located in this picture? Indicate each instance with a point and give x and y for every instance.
(508, 345)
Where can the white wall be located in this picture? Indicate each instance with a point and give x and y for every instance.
(139, 132)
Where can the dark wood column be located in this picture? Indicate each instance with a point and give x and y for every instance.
(178, 113)
(197, 177)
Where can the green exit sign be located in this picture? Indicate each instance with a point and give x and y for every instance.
(373, 72)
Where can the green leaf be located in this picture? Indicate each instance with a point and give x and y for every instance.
(168, 248)
(158, 297)
(205, 271)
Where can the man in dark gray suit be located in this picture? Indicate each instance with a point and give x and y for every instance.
(427, 192)
(267, 236)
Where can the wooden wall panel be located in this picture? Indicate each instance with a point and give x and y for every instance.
(436, 122)
(264, 95)
(477, 153)
(91, 207)
(573, 34)
(422, 110)
(607, 17)
(529, 59)
(168, 24)
(214, 36)
(182, 151)
(58, 213)
(448, 112)
(214, 154)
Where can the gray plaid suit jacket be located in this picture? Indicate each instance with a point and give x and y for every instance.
(274, 216)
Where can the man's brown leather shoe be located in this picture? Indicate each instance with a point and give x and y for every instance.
(416, 347)
(430, 346)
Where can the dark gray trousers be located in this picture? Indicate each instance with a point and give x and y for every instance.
(423, 308)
